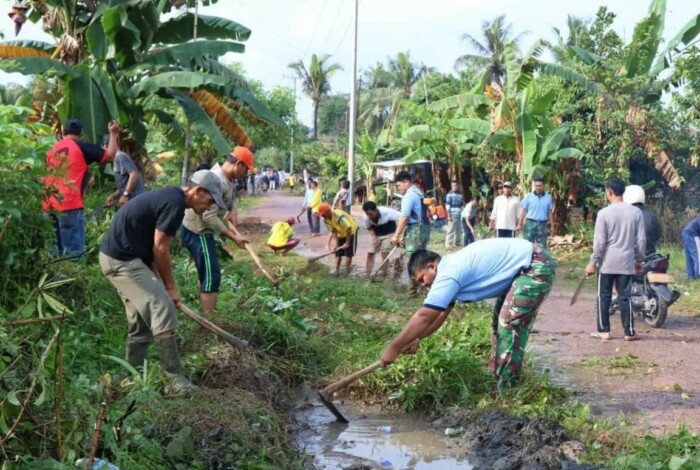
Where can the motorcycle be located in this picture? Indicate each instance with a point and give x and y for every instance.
(650, 293)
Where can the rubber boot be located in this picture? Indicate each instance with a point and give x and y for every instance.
(136, 353)
(170, 362)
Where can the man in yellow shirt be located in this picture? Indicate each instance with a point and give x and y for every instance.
(281, 237)
(292, 182)
(343, 228)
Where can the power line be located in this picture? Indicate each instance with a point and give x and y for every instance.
(340, 43)
(313, 35)
(267, 28)
(335, 19)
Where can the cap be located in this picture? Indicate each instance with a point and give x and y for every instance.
(507, 184)
(323, 208)
(73, 127)
(291, 220)
(500, 186)
(209, 181)
(244, 155)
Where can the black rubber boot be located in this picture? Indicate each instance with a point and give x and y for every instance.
(136, 353)
(170, 362)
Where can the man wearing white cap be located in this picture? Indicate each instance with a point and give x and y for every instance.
(504, 216)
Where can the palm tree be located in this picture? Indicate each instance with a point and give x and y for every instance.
(316, 81)
(490, 59)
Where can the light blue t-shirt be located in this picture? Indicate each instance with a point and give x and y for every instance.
(537, 206)
(412, 204)
(482, 270)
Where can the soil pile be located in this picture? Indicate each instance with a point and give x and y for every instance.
(503, 442)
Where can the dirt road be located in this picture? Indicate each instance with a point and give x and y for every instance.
(655, 382)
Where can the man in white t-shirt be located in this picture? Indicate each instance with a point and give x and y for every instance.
(380, 222)
(504, 216)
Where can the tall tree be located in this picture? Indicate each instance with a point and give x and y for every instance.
(490, 56)
(315, 81)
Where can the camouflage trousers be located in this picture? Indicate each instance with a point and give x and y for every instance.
(514, 315)
(536, 232)
(415, 237)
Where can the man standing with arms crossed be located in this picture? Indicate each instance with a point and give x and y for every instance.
(68, 164)
(135, 258)
(453, 203)
(504, 216)
(618, 254)
(536, 213)
(198, 230)
(380, 222)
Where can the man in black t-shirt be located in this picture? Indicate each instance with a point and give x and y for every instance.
(135, 258)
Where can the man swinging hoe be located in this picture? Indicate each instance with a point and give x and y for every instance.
(517, 273)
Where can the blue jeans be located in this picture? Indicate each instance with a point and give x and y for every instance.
(70, 233)
(314, 221)
(468, 236)
(692, 258)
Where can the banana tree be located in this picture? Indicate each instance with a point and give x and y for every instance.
(115, 57)
(370, 150)
(638, 81)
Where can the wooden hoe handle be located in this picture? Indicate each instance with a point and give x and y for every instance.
(255, 258)
(347, 380)
(218, 331)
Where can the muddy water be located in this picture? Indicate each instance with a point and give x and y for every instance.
(360, 445)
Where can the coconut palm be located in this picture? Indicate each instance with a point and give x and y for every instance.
(490, 58)
(315, 81)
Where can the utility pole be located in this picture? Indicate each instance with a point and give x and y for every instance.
(353, 103)
(188, 128)
(291, 126)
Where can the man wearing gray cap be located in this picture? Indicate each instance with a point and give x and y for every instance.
(504, 216)
(135, 258)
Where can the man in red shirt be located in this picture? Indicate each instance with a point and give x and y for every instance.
(68, 164)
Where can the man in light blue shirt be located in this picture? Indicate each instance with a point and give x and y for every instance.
(536, 212)
(520, 274)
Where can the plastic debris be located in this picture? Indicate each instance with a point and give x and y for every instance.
(453, 432)
(97, 464)
(385, 463)
(387, 429)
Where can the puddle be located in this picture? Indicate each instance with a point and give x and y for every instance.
(360, 444)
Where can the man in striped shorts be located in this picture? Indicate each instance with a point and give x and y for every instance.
(198, 230)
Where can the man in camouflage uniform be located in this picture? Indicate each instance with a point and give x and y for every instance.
(536, 214)
(520, 274)
(409, 230)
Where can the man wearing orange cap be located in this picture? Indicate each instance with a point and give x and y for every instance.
(343, 228)
(281, 237)
(198, 230)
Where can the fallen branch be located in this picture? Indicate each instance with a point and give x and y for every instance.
(35, 379)
(31, 320)
(98, 425)
(4, 227)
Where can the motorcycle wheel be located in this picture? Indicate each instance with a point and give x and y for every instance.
(659, 317)
(396, 204)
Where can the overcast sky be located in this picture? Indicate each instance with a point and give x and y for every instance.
(284, 31)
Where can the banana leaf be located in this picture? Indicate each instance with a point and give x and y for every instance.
(181, 29)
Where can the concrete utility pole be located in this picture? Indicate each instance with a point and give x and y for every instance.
(291, 127)
(353, 104)
(188, 129)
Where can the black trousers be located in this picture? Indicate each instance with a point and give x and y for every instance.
(468, 236)
(623, 283)
(500, 233)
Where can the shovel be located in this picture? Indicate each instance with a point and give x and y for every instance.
(326, 394)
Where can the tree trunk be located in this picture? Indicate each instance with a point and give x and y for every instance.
(317, 102)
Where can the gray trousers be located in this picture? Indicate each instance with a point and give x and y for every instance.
(454, 233)
(149, 309)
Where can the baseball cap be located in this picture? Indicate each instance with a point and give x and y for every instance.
(243, 154)
(290, 220)
(209, 181)
(323, 208)
(507, 184)
(73, 127)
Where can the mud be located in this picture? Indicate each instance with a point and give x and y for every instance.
(499, 441)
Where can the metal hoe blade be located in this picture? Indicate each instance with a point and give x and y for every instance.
(574, 297)
(331, 407)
